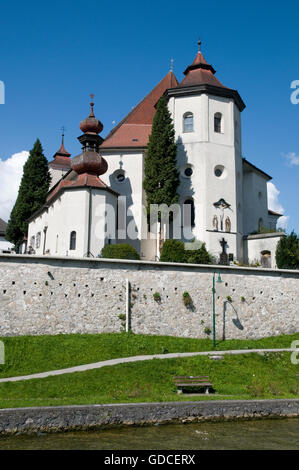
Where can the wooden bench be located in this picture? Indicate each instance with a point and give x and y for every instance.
(198, 381)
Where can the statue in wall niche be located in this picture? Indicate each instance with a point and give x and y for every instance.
(215, 222)
(227, 224)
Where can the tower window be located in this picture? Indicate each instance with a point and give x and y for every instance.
(188, 122)
(73, 241)
(218, 122)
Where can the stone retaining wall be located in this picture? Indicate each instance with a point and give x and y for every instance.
(67, 418)
(44, 295)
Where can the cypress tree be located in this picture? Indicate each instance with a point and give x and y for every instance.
(161, 174)
(32, 194)
(287, 252)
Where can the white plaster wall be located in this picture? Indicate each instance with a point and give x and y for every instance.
(5, 244)
(68, 213)
(205, 149)
(255, 244)
(132, 188)
(56, 175)
(255, 206)
(104, 208)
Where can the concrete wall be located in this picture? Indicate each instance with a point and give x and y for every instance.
(44, 295)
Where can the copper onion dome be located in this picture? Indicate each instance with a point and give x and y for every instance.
(91, 125)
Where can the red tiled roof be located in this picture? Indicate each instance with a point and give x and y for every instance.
(84, 180)
(61, 159)
(135, 128)
(199, 73)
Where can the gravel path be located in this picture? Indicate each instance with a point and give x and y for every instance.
(112, 362)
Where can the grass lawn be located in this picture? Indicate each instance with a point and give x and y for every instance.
(245, 376)
(30, 354)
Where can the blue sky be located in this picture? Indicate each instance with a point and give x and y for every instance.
(54, 54)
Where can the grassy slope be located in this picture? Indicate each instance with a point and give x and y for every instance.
(30, 354)
(244, 376)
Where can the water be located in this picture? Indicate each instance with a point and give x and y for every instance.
(261, 434)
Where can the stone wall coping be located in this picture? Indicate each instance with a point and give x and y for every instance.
(265, 235)
(139, 264)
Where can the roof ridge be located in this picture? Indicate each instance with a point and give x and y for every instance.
(139, 105)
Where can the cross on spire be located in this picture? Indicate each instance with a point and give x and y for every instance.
(91, 105)
(62, 135)
(199, 43)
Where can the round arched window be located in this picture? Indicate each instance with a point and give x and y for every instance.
(188, 171)
(220, 171)
(119, 176)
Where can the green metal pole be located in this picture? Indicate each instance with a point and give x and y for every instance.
(214, 326)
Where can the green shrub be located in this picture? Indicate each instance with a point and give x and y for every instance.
(199, 255)
(157, 297)
(120, 251)
(207, 330)
(173, 251)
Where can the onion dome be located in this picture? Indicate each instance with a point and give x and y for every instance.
(89, 162)
(91, 125)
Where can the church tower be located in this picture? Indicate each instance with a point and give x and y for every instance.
(60, 164)
(207, 119)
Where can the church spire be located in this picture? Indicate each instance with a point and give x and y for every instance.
(200, 71)
(61, 158)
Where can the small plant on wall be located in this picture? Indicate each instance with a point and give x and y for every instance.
(187, 299)
(157, 297)
(207, 330)
(228, 298)
(243, 299)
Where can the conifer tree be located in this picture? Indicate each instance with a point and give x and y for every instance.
(287, 252)
(32, 194)
(161, 174)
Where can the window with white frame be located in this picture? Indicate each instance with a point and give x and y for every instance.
(218, 125)
(188, 122)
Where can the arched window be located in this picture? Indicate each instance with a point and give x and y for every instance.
(189, 212)
(188, 122)
(73, 241)
(218, 122)
(266, 259)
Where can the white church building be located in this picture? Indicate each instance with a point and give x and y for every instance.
(97, 197)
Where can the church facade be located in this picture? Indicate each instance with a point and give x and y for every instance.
(224, 194)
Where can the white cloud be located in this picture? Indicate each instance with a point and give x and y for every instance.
(283, 222)
(11, 171)
(275, 205)
(292, 158)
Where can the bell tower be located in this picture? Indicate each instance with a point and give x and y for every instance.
(207, 119)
